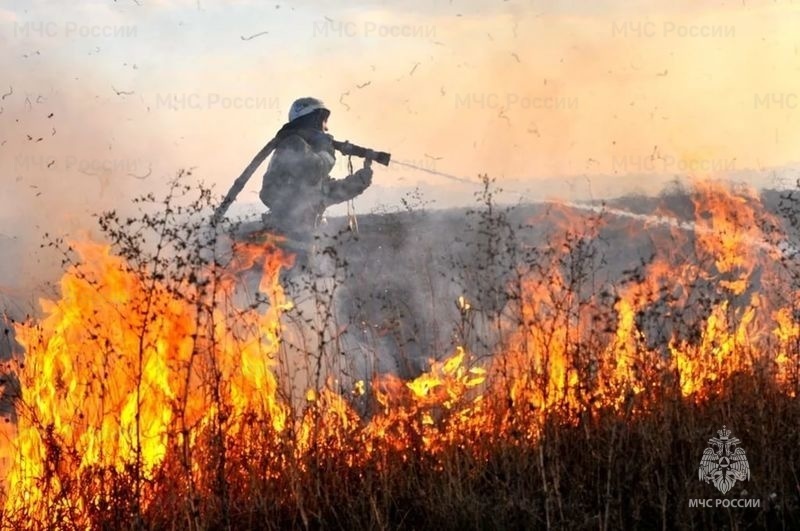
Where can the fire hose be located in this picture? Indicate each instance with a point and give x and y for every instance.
(346, 148)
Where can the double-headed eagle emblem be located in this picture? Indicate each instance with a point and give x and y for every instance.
(724, 462)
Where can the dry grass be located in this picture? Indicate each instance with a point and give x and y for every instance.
(581, 462)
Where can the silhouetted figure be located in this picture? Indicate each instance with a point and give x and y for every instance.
(297, 186)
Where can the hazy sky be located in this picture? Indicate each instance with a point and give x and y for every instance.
(617, 92)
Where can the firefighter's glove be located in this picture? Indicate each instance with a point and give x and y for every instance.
(363, 176)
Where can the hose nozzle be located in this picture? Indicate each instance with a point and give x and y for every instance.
(347, 148)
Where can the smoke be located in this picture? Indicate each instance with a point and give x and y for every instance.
(61, 161)
(102, 102)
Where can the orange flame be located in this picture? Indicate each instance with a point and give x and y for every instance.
(113, 373)
(128, 375)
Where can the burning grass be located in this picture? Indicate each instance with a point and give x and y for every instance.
(153, 394)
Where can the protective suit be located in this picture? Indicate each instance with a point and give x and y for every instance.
(297, 186)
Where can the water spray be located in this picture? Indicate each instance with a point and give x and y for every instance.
(434, 172)
(785, 248)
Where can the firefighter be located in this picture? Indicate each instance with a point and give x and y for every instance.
(297, 186)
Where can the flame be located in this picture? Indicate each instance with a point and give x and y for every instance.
(111, 377)
(128, 376)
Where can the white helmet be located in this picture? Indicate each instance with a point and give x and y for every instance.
(304, 106)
